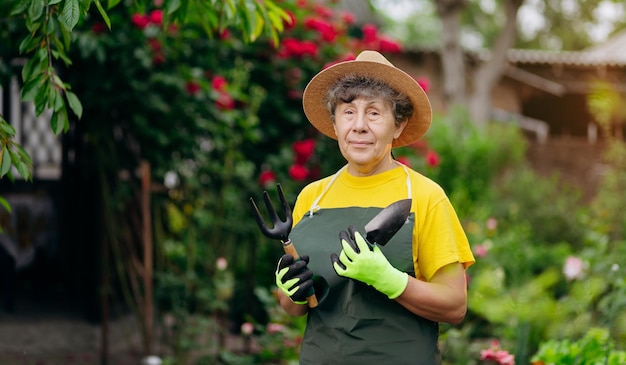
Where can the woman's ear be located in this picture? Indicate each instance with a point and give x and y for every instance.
(399, 128)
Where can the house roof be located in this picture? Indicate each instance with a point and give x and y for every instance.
(610, 53)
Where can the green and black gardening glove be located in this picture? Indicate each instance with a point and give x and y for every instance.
(295, 278)
(365, 262)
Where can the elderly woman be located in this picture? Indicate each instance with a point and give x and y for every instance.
(377, 304)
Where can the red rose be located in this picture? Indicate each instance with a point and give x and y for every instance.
(388, 45)
(225, 101)
(140, 21)
(424, 83)
(403, 160)
(348, 17)
(298, 172)
(99, 28)
(291, 23)
(370, 33)
(192, 87)
(304, 150)
(156, 17)
(432, 158)
(219, 83)
(266, 177)
(154, 44)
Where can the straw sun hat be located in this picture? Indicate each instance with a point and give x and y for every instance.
(371, 64)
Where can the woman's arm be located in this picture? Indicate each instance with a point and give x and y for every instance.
(442, 299)
(290, 307)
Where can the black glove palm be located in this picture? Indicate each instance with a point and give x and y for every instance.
(295, 278)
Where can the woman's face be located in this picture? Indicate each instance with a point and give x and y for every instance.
(365, 130)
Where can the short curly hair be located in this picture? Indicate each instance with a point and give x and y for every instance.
(352, 86)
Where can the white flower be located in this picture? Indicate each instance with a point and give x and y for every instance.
(171, 180)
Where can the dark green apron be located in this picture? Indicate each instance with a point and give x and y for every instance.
(354, 323)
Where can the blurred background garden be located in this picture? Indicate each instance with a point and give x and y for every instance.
(168, 115)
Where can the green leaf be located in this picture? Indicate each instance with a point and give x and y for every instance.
(7, 129)
(29, 43)
(35, 10)
(33, 65)
(5, 165)
(53, 2)
(103, 13)
(59, 121)
(172, 6)
(23, 154)
(51, 25)
(75, 104)
(31, 88)
(66, 35)
(70, 13)
(57, 82)
(25, 170)
(58, 102)
(5, 204)
(41, 99)
(20, 8)
(111, 3)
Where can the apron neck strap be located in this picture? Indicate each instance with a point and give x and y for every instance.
(315, 206)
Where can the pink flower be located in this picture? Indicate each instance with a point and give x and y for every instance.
(494, 353)
(480, 250)
(573, 268)
(432, 158)
(298, 172)
(275, 328)
(221, 263)
(304, 150)
(492, 224)
(247, 328)
(225, 101)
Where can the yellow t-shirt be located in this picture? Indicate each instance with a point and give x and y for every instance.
(438, 237)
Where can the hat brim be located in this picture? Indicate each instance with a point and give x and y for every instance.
(315, 93)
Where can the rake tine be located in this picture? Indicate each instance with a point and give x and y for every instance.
(270, 208)
(259, 219)
(286, 207)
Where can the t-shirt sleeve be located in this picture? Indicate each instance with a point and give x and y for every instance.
(441, 239)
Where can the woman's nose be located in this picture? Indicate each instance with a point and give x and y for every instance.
(360, 123)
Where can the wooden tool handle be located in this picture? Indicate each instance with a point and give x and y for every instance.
(291, 250)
